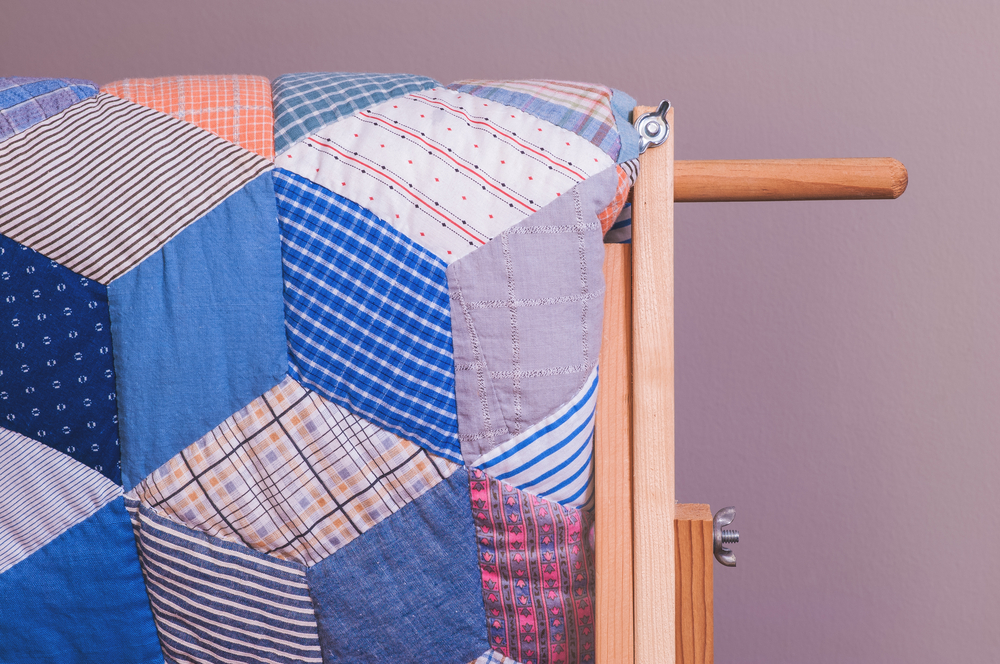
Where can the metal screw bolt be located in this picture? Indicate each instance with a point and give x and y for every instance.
(730, 536)
(723, 554)
(652, 128)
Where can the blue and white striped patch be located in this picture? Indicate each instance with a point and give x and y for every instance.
(368, 315)
(217, 601)
(43, 493)
(553, 459)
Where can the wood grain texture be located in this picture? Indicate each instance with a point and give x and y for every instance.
(653, 406)
(787, 180)
(613, 464)
(693, 569)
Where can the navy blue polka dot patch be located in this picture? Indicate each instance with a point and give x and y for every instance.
(57, 378)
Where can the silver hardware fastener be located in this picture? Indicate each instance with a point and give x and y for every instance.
(653, 127)
(724, 517)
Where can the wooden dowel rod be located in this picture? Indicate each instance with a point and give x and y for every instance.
(787, 180)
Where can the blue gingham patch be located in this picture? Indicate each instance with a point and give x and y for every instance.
(367, 315)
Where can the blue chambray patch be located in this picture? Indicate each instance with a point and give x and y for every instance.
(197, 329)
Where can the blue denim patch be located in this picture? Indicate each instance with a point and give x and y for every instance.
(410, 589)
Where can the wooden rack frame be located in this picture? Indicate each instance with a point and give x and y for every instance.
(654, 557)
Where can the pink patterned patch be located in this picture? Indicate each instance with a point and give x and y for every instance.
(538, 574)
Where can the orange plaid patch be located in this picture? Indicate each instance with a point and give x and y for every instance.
(237, 108)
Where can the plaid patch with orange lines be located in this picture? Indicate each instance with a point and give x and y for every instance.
(292, 475)
(627, 173)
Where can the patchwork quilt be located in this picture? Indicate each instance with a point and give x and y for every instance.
(302, 370)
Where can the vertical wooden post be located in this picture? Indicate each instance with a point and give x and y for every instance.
(613, 464)
(653, 408)
(693, 568)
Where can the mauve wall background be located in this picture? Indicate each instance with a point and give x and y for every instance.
(838, 370)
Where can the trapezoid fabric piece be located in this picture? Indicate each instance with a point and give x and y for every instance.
(553, 459)
(581, 108)
(449, 170)
(421, 599)
(42, 493)
(27, 101)
(237, 108)
(627, 173)
(527, 316)
(537, 572)
(292, 475)
(57, 379)
(197, 329)
(621, 231)
(80, 599)
(305, 102)
(367, 315)
(106, 183)
(215, 601)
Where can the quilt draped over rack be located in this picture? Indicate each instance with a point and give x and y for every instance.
(302, 370)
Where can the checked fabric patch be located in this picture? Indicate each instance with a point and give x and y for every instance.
(237, 108)
(292, 475)
(367, 315)
(305, 102)
(526, 336)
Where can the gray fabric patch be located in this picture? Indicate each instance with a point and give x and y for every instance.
(527, 311)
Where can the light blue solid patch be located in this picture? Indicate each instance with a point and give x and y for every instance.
(622, 105)
(80, 599)
(409, 589)
(198, 329)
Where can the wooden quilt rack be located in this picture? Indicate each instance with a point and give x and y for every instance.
(655, 557)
